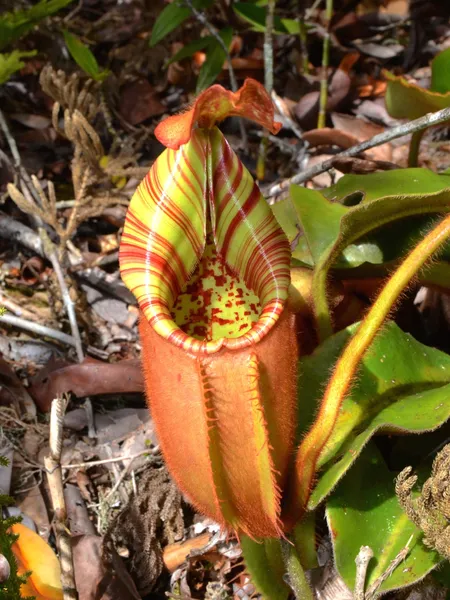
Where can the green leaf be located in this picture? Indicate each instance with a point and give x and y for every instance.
(364, 510)
(356, 223)
(14, 25)
(383, 245)
(264, 562)
(440, 68)
(191, 48)
(319, 218)
(402, 386)
(256, 16)
(11, 62)
(406, 100)
(214, 60)
(286, 216)
(172, 16)
(84, 57)
(353, 189)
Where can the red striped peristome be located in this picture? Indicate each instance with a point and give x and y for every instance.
(209, 266)
(202, 186)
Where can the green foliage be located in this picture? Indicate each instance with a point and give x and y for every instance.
(364, 510)
(408, 100)
(352, 235)
(174, 15)
(256, 16)
(263, 560)
(10, 589)
(376, 229)
(402, 386)
(12, 62)
(13, 25)
(84, 58)
(191, 48)
(214, 60)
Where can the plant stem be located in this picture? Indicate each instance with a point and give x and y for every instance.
(303, 37)
(428, 120)
(348, 363)
(304, 538)
(297, 579)
(325, 63)
(268, 82)
(413, 156)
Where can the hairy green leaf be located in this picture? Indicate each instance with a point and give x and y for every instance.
(402, 386)
(354, 189)
(356, 224)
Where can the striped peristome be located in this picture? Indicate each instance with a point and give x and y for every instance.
(202, 187)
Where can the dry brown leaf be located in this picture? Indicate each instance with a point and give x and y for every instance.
(307, 109)
(363, 130)
(139, 101)
(330, 137)
(12, 392)
(93, 579)
(89, 378)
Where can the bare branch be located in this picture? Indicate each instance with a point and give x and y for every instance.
(406, 128)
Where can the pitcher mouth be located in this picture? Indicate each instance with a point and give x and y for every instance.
(202, 251)
(216, 309)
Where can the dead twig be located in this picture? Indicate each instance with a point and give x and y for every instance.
(406, 128)
(52, 464)
(94, 463)
(365, 554)
(37, 328)
(388, 572)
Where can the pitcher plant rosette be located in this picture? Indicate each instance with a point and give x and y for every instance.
(209, 266)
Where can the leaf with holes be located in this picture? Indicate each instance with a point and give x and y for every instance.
(364, 510)
(345, 237)
(354, 189)
(402, 386)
